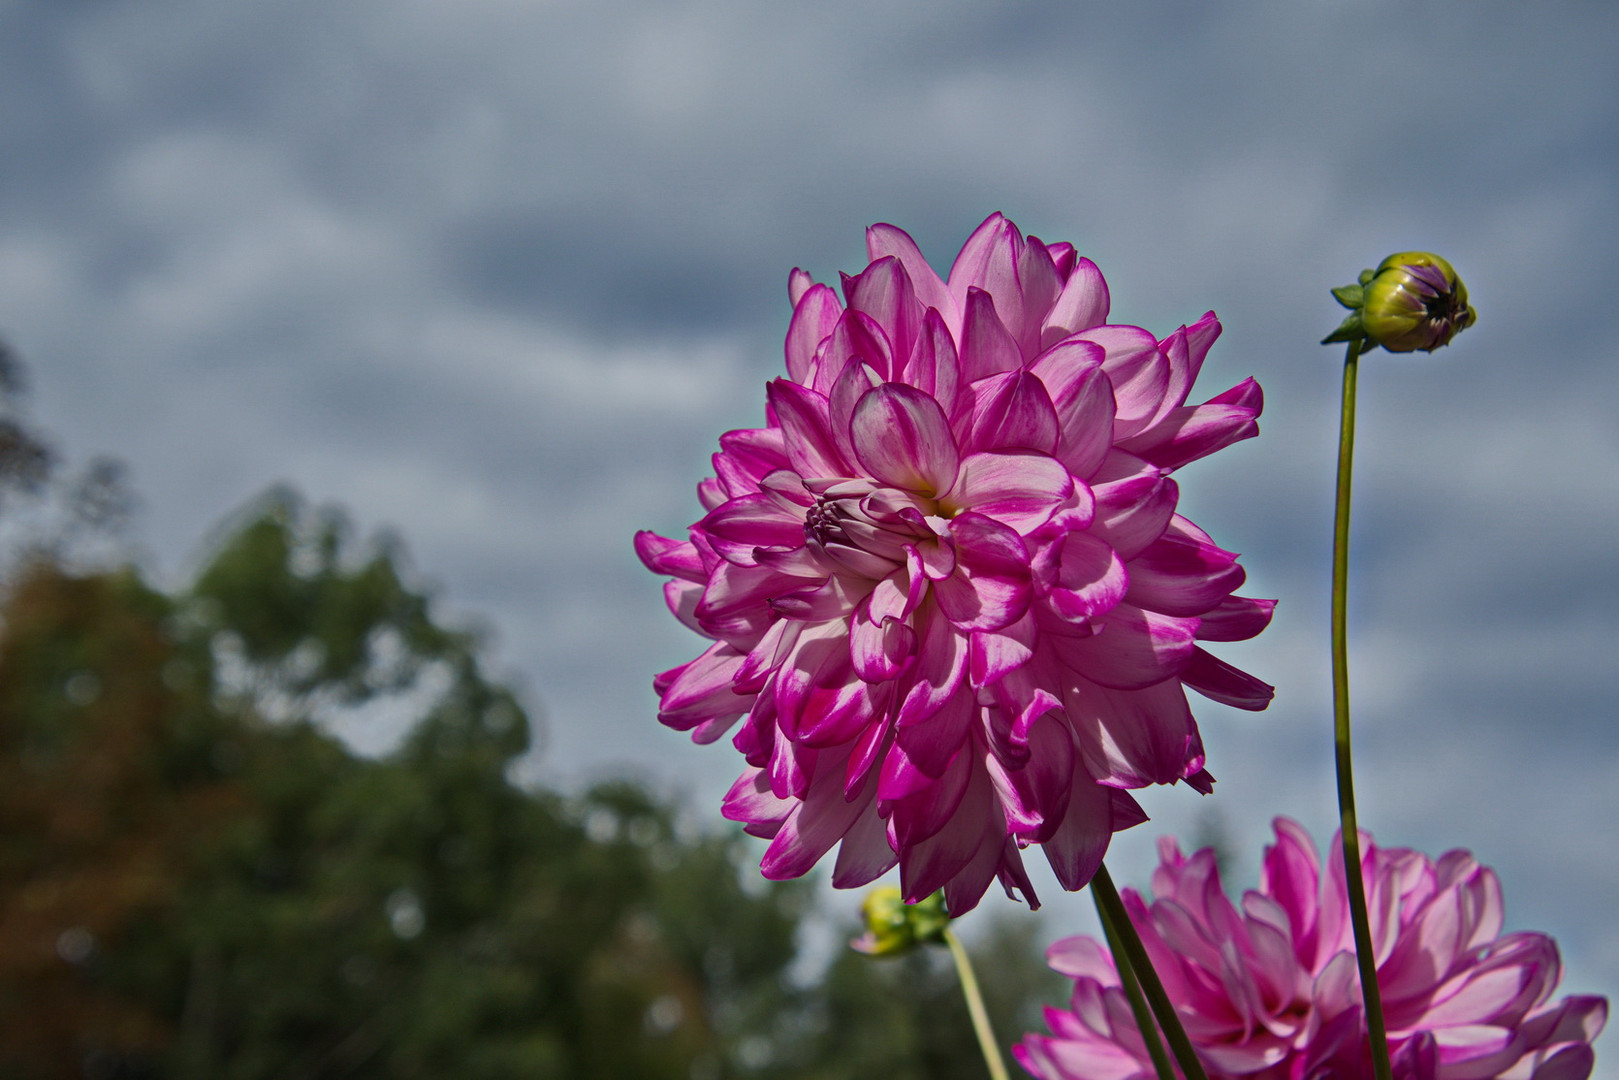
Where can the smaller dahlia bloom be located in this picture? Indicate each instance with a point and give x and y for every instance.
(1270, 990)
(952, 609)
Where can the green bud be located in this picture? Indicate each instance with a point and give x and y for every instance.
(894, 927)
(1413, 300)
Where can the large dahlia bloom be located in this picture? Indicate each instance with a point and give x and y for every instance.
(1271, 990)
(949, 596)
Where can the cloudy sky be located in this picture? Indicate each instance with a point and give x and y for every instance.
(496, 274)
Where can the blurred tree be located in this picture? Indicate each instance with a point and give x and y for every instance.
(198, 880)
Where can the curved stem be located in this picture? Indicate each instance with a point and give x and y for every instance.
(1132, 990)
(975, 1007)
(1340, 713)
(1108, 898)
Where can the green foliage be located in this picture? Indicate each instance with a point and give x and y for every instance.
(197, 880)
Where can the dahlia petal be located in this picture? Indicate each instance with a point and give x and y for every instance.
(1572, 1062)
(696, 691)
(884, 292)
(1012, 411)
(1082, 958)
(987, 347)
(986, 260)
(856, 338)
(933, 744)
(902, 439)
(1036, 794)
(832, 598)
(1134, 503)
(798, 283)
(864, 855)
(943, 844)
(931, 292)
(933, 366)
(868, 749)
(928, 808)
(1236, 618)
(880, 648)
(711, 493)
(1219, 681)
(1082, 304)
(1133, 648)
(991, 587)
(681, 598)
(941, 665)
(1189, 432)
(996, 856)
(847, 391)
(1018, 489)
(764, 658)
(677, 558)
(1179, 575)
(1038, 286)
(742, 524)
(751, 801)
(807, 436)
(1132, 739)
(1139, 372)
(818, 822)
(992, 655)
(815, 313)
(1091, 579)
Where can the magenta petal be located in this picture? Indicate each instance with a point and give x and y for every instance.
(803, 415)
(883, 291)
(1134, 503)
(1082, 304)
(916, 816)
(1236, 618)
(933, 366)
(1194, 431)
(939, 834)
(1091, 578)
(814, 316)
(1014, 414)
(1017, 489)
(941, 665)
(1219, 681)
(1139, 372)
(1135, 738)
(987, 347)
(1036, 793)
(1133, 648)
(1080, 838)
(903, 439)
(932, 744)
(741, 525)
(677, 558)
(991, 586)
(931, 292)
(1178, 574)
(818, 822)
(701, 689)
(864, 855)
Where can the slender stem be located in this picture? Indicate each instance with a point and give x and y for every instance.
(1108, 898)
(1340, 713)
(1138, 1003)
(975, 1007)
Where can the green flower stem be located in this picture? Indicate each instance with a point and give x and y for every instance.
(975, 1006)
(1132, 990)
(1107, 897)
(1340, 714)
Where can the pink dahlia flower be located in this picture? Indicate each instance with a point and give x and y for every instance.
(1271, 990)
(949, 596)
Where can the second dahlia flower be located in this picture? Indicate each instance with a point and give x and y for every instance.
(1270, 990)
(951, 603)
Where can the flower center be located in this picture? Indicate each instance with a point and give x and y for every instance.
(878, 521)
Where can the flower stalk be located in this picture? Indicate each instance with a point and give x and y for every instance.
(975, 1008)
(1107, 898)
(1132, 989)
(1375, 1025)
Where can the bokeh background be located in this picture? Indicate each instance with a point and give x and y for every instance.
(495, 275)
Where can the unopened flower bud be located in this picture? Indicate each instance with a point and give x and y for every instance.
(1413, 300)
(894, 927)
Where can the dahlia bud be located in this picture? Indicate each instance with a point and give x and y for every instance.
(1413, 300)
(894, 927)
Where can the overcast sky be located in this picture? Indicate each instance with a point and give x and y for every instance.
(496, 274)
